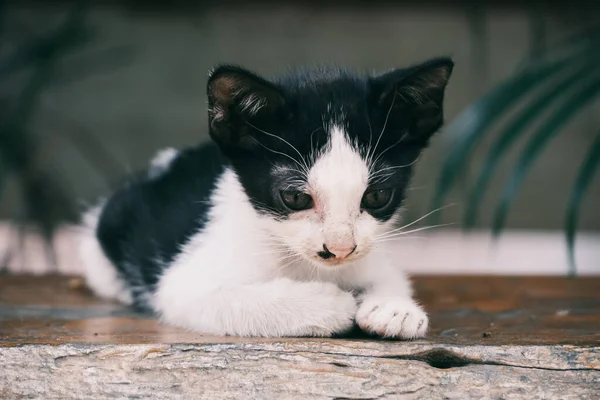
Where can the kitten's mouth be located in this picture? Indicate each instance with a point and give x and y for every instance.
(331, 261)
(323, 259)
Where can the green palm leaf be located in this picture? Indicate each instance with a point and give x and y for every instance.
(514, 130)
(549, 129)
(472, 125)
(584, 178)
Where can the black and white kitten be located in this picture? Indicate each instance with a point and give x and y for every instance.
(270, 230)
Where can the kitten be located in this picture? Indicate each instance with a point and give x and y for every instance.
(269, 229)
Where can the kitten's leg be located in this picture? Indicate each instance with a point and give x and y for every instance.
(387, 308)
(277, 308)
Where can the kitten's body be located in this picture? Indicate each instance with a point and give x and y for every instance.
(219, 238)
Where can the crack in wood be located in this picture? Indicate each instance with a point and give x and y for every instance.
(438, 358)
(445, 359)
(339, 364)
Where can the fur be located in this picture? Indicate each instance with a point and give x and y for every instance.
(206, 239)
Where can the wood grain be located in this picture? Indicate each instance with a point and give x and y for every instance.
(491, 337)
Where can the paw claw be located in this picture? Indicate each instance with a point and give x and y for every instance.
(379, 315)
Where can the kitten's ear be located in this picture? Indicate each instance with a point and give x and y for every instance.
(416, 92)
(240, 102)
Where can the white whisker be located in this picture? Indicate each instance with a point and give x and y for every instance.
(417, 220)
(280, 153)
(370, 133)
(375, 173)
(402, 233)
(391, 147)
(304, 165)
(312, 155)
(370, 156)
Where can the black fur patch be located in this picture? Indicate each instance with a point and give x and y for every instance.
(145, 223)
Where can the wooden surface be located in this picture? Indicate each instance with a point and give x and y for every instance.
(463, 310)
(490, 337)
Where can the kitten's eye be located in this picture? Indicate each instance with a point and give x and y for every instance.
(295, 200)
(376, 199)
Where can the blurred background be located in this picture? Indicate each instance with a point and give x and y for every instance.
(88, 95)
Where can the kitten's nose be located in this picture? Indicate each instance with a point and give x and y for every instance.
(339, 252)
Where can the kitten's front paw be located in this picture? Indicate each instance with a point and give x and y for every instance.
(392, 317)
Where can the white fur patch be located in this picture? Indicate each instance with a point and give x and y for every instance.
(100, 274)
(337, 182)
(161, 161)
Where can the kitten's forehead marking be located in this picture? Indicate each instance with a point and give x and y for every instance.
(339, 176)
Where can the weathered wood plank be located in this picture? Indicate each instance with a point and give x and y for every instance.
(296, 370)
(542, 341)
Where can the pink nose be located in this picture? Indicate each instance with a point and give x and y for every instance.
(339, 252)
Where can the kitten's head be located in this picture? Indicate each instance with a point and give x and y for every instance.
(325, 156)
